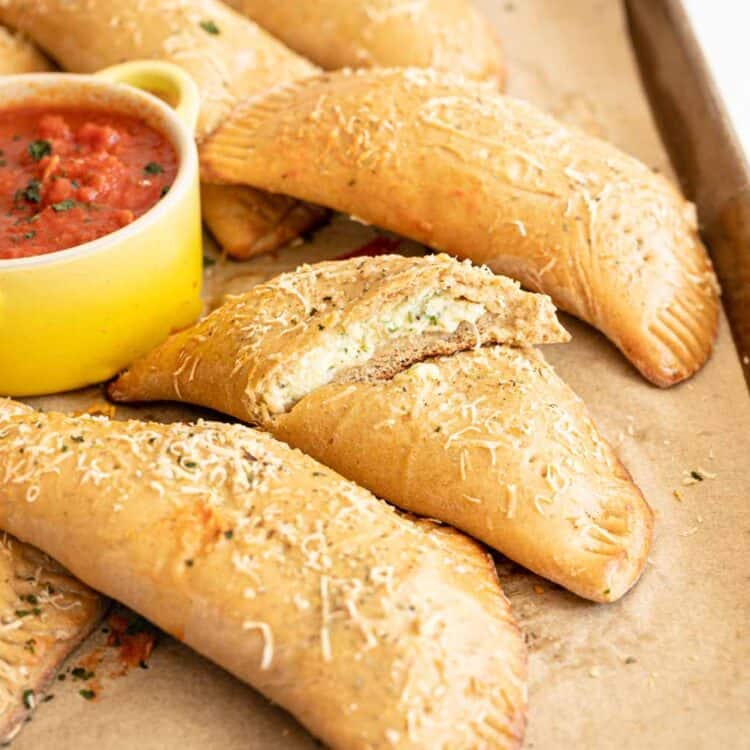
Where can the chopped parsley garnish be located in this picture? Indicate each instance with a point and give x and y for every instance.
(28, 699)
(31, 193)
(39, 149)
(208, 261)
(89, 695)
(80, 673)
(153, 168)
(164, 191)
(65, 205)
(209, 27)
(30, 598)
(229, 533)
(26, 612)
(29, 235)
(190, 464)
(30, 645)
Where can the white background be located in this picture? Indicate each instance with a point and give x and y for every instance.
(723, 30)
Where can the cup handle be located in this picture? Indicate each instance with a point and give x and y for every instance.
(161, 78)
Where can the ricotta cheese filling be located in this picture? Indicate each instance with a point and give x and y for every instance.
(341, 348)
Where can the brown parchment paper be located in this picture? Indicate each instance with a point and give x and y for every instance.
(667, 667)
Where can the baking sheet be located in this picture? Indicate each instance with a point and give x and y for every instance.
(667, 667)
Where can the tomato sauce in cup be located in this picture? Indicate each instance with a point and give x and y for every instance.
(71, 175)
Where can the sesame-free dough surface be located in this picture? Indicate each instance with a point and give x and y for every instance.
(493, 442)
(375, 630)
(442, 34)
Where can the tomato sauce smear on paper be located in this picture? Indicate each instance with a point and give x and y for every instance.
(134, 637)
(378, 246)
(70, 175)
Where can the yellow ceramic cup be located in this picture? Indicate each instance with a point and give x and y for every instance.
(78, 316)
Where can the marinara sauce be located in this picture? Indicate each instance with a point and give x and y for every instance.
(70, 175)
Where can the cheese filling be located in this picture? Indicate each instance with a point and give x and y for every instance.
(343, 348)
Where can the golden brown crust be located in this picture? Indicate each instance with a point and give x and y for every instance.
(237, 60)
(493, 442)
(447, 35)
(462, 169)
(374, 630)
(236, 215)
(18, 55)
(245, 358)
(44, 615)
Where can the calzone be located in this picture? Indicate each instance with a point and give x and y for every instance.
(373, 629)
(463, 169)
(441, 34)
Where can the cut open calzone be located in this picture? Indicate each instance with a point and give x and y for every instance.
(441, 34)
(374, 630)
(228, 56)
(463, 169)
(489, 440)
(263, 351)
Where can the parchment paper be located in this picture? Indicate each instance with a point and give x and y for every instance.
(668, 666)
